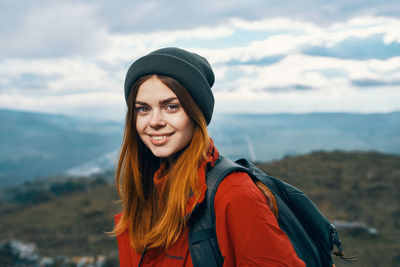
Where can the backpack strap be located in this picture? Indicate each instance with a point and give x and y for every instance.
(203, 244)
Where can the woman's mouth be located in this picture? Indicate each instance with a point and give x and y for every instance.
(159, 140)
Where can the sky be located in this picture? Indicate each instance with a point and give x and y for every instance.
(71, 57)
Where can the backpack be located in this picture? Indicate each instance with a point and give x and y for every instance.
(311, 234)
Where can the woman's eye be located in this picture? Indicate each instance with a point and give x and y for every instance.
(172, 107)
(141, 109)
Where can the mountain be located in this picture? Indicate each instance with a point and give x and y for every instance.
(264, 137)
(38, 145)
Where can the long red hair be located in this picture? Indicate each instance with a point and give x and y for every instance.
(155, 221)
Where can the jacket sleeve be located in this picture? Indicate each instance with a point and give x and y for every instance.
(247, 231)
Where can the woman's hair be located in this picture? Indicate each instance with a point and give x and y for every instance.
(155, 221)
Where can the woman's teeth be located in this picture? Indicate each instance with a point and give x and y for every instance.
(159, 137)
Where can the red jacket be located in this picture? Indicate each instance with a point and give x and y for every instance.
(247, 231)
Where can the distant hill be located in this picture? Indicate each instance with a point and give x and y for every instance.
(69, 217)
(38, 145)
(265, 137)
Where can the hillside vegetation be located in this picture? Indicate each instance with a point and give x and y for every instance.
(71, 216)
(362, 187)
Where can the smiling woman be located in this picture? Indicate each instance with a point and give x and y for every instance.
(161, 122)
(161, 173)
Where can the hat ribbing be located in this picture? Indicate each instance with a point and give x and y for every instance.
(191, 70)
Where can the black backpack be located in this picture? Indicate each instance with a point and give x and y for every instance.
(311, 234)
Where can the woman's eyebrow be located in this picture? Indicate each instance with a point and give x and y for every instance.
(162, 102)
(168, 100)
(140, 103)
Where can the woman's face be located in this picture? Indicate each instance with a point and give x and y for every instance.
(161, 122)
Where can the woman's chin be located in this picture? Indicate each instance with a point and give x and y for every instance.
(162, 153)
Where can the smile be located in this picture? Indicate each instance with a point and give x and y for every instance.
(159, 137)
(159, 140)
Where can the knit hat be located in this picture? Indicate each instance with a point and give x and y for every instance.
(191, 70)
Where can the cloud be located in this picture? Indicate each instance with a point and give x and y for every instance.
(101, 105)
(323, 74)
(343, 99)
(50, 28)
(374, 83)
(359, 48)
(128, 47)
(53, 29)
(292, 87)
(147, 16)
(71, 57)
(59, 76)
(25, 82)
(265, 61)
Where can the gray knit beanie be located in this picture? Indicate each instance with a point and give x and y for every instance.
(191, 70)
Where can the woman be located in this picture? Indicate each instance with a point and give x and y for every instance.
(161, 172)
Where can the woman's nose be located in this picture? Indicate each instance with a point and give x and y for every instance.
(157, 119)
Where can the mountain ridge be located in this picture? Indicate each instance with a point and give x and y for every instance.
(41, 144)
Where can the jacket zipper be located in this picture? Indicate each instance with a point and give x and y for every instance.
(141, 258)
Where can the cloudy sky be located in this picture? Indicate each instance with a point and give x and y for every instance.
(269, 56)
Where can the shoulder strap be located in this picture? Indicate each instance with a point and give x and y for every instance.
(203, 244)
